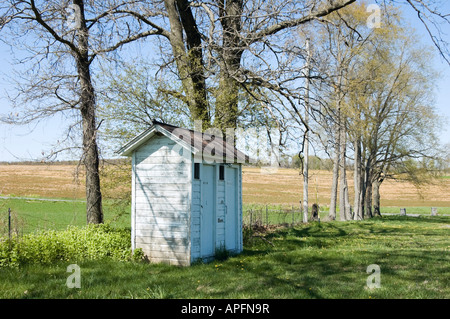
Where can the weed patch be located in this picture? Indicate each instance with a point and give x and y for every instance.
(92, 242)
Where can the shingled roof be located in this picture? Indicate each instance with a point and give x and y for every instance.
(209, 145)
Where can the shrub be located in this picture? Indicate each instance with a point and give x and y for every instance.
(92, 242)
(247, 233)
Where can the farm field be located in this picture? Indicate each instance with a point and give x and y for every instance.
(285, 186)
(22, 187)
(259, 187)
(279, 189)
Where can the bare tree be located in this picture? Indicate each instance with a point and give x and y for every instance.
(61, 41)
(208, 41)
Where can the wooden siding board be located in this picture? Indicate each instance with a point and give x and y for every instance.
(172, 228)
(161, 234)
(163, 218)
(161, 168)
(174, 242)
(195, 216)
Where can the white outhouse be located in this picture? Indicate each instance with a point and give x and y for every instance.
(186, 194)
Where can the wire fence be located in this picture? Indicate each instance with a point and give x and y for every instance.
(11, 225)
(267, 215)
(22, 216)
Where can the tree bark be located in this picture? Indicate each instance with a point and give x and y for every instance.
(335, 180)
(376, 197)
(94, 212)
(343, 190)
(227, 96)
(368, 191)
(189, 58)
(358, 182)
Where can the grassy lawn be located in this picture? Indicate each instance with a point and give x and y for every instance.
(29, 215)
(326, 260)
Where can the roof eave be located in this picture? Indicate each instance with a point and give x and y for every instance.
(129, 147)
(136, 142)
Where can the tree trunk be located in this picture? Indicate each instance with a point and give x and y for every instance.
(335, 180)
(348, 208)
(226, 102)
(188, 58)
(227, 96)
(306, 140)
(376, 197)
(94, 212)
(368, 191)
(344, 209)
(357, 206)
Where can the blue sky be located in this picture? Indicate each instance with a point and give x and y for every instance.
(18, 143)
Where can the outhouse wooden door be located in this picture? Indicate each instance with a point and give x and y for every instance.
(207, 211)
(231, 218)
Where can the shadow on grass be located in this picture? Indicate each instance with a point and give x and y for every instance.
(421, 219)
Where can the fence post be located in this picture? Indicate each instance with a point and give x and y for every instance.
(267, 217)
(293, 220)
(434, 211)
(9, 223)
(251, 213)
(301, 209)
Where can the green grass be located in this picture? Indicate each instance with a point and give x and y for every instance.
(29, 215)
(326, 260)
(282, 214)
(415, 210)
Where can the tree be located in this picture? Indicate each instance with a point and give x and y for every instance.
(209, 40)
(395, 120)
(130, 100)
(60, 62)
(220, 50)
(340, 40)
(370, 83)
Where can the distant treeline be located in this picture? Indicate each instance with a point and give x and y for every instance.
(286, 161)
(71, 162)
(294, 161)
(314, 163)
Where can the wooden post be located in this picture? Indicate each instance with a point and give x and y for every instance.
(293, 220)
(306, 137)
(267, 216)
(434, 211)
(315, 212)
(9, 223)
(301, 209)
